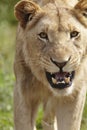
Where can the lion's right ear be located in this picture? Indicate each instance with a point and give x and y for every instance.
(25, 11)
(81, 11)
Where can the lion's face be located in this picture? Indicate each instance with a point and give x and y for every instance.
(54, 47)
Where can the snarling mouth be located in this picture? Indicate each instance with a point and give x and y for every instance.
(60, 80)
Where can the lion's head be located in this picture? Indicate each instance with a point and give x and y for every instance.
(54, 42)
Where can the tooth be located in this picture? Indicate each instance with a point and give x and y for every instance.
(63, 82)
(67, 80)
(54, 80)
(59, 82)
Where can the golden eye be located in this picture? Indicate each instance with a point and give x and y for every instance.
(43, 35)
(74, 34)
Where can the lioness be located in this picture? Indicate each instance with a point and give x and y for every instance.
(50, 64)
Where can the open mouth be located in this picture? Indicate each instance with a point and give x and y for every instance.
(60, 80)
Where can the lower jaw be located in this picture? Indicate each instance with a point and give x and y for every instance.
(62, 92)
(61, 86)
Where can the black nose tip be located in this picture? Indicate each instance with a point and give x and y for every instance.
(60, 64)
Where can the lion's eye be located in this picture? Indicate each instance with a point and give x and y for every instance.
(43, 35)
(74, 34)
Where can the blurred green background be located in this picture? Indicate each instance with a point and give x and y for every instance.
(8, 26)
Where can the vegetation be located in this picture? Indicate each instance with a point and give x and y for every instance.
(7, 79)
(6, 11)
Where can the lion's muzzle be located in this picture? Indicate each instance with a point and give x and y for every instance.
(60, 79)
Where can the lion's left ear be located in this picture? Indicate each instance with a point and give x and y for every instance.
(81, 11)
(25, 11)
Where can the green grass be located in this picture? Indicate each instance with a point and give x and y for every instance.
(7, 38)
(7, 47)
(7, 11)
(84, 120)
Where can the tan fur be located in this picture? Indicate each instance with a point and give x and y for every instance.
(44, 2)
(62, 108)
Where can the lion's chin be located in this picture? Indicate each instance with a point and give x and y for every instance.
(60, 80)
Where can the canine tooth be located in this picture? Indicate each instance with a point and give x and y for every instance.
(67, 80)
(54, 80)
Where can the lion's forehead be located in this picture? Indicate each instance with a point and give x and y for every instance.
(59, 16)
(54, 25)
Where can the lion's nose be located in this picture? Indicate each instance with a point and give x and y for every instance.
(60, 64)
